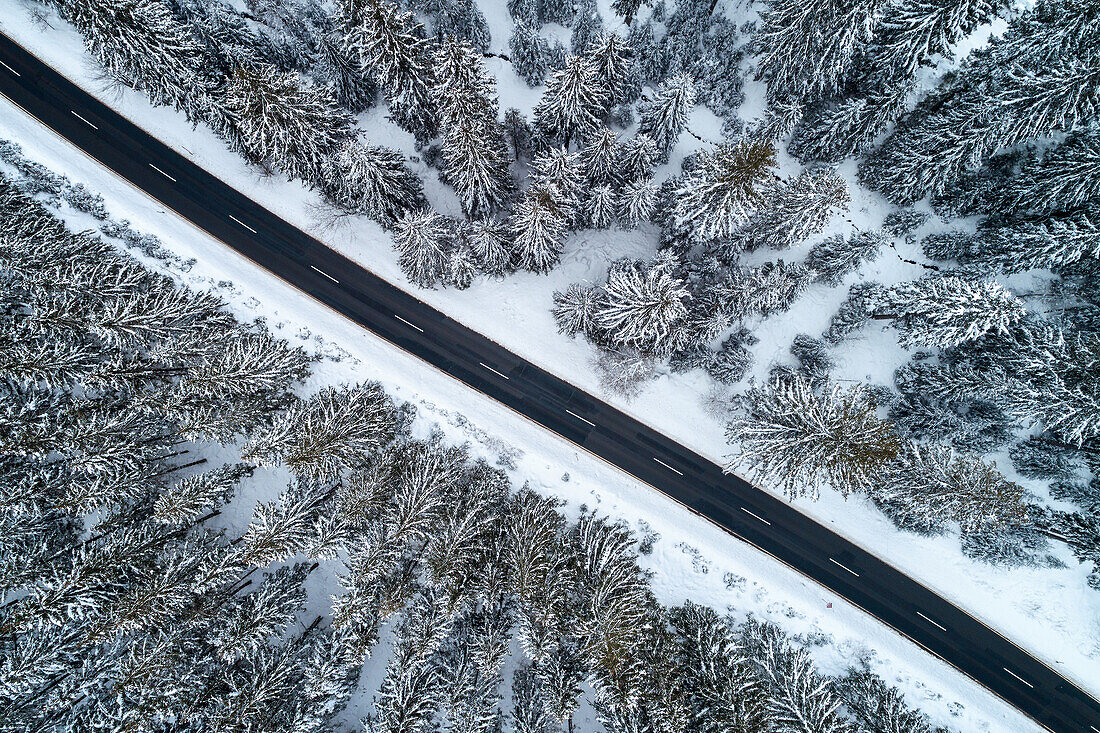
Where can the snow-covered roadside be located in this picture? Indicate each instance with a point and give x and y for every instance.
(690, 560)
(1050, 612)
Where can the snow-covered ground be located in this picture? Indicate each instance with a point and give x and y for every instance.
(1052, 613)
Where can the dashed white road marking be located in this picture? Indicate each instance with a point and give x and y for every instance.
(243, 224)
(494, 371)
(1006, 669)
(330, 277)
(407, 323)
(853, 572)
(158, 170)
(580, 418)
(756, 516)
(938, 626)
(670, 468)
(89, 124)
(10, 69)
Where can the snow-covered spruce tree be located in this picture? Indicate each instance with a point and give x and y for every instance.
(600, 209)
(276, 119)
(928, 486)
(490, 241)
(722, 192)
(879, 706)
(1065, 178)
(832, 259)
(613, 58)
(350, 83)
(796, 437)
(599, 158)
(1045, 243)
(636, 202)
(586, 28)
(333, 431)
(474, 153)
(374, 181)
(643, 306)
(948, 310)
(663, 117)
(720, 689)
(1039, 78)
(461, 20)
(140, 43)
(797, 59)
(796, 210)
(529, 53)
(796, 696)
(637, 156)
(627, 9)
(574, 101)
(393, 45)
(849, 126)
(575, 309)
(539, 223)
(422, 240)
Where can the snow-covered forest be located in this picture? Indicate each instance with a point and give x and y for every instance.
(128, 606)
(997, 147)
(927, 169)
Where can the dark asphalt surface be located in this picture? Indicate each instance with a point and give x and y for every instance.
(728, 501)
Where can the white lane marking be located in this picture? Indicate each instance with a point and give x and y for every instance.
(330, 277)
(494, 371)
(158, 170)
(1095, 728)
(670, 468)
(243, 224)
(580, 418)
(1006, 669)
(938, 626)
(412, 325)
(10, 69)
(89, 124)
(853, 572)
(757, 516)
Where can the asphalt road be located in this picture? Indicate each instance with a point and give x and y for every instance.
(748, 513)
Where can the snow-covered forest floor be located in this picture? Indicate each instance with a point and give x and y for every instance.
(1050, 612)
(690, 559)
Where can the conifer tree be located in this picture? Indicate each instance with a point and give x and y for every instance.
(474, 152)
(663, 118)
(797, 210)
(489, 240)
(573, 102)
(947, 311)
(721, 193)
(643, 306)
(613, 58)
(538, 229)
(575, 309)
(795, 437)
(528, 52)
(375, 181)
(422, 240)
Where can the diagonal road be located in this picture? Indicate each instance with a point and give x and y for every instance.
(730, 502)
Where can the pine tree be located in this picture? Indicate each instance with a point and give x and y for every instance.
(529, 52)
(422, 240)
(1048, 243)
(721, 193)
(637, 157)
(643, 306)
(586, 29)
(797, 210)
(636, 203)
(375, 181)
(849, 127)
(141, 44)
(663, 118)
(350, 83)
(600, 209)
(188, 498)
(797, 59)
(334, 430)
(392, 44)
(572, 104)
(489, 240)
(947, 311)
(1065, 178)
(538, 228)
(613, 58)
(474, 153)
(794, 437)
(627, 9)
(575, 309)
(275, 119)
(836, 257)
(599, 158)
